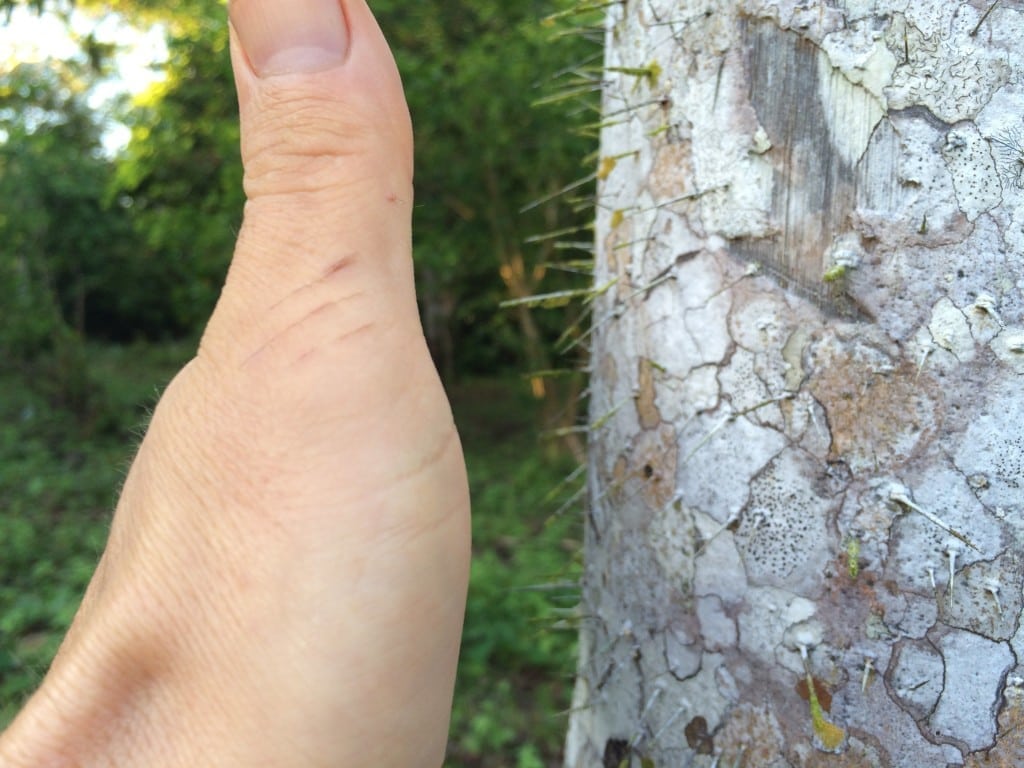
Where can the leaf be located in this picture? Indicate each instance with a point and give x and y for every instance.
(830, 736)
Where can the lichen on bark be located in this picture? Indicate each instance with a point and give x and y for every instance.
(814, 352)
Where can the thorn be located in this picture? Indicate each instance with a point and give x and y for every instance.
(951, 553)
(901, 495)
(992, 587)
(658, 690)
(986, 304)
(869, 665)
(928, 349)
(985, 16)
(683, 706)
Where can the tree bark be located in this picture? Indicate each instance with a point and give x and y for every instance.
(804, 538)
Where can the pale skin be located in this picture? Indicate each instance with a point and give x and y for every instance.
(286, 573)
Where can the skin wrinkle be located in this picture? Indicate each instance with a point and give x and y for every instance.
(278, 339)
(315, 350)
(416, 527)
(298, 134)
(254, 283)
(269, 223)
(118, 721)
(320, 178)
(446, 440)
(330, 275)
(345, 261)
(362, 279)
(240, 445)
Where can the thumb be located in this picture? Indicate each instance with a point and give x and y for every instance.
(325, 247)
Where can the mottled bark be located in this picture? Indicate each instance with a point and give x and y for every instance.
(805, 541)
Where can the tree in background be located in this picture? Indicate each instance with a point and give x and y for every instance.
(59, 237)
(473, 70)
(181, 173)
(804, 540)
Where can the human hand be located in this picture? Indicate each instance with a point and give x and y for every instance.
(286, 572)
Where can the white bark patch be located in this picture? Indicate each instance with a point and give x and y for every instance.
(687, 328)
(992, 452)
(950, 72)
(974, 669)
(988, 599)
(783, 534)
(746, 388)
(720, 456)
(920, 552)
(672, 537)
(950, 330)
(986, 324)
(767, 616)
(763, 321)
(860, 53)
(814, 20)
(875, 711)
(681, 399)
(911, 615)
(916, 677)
(1009, 348)
(665, 722)
(805, 632)
(682, 653)
(715, 624)
(720, 569)
(1015, 682)
(973, 169)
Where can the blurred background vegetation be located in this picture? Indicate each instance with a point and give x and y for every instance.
(112, 254)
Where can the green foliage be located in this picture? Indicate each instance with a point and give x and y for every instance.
(472, 71)
(177, 13)
(181, 176)
(57, 487)
(518, 647)
(146, 243)
(48, 174)
(59, 241)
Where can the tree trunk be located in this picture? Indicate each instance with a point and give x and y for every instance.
(804, 540)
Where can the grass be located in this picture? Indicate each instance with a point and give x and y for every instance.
(59, 477)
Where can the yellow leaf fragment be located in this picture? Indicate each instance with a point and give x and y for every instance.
(607, 166)
(852, 558)
(829, 735)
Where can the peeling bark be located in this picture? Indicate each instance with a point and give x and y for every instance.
(805, 543)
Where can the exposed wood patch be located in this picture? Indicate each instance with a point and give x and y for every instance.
(818, 124)
(646, 407)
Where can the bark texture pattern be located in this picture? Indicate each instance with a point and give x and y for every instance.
(804, 541)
